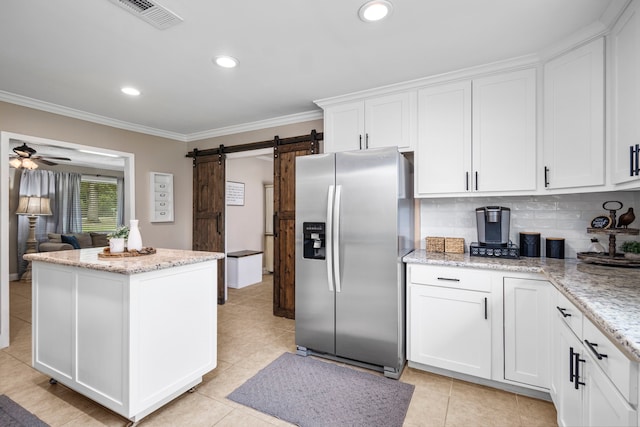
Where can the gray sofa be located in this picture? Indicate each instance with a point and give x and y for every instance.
(84, 240)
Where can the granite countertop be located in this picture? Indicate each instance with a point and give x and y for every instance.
(88, 258)
(608, 296)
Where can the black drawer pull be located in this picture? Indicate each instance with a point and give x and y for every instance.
(562, 311)
(546, 177)
(576, 379)
(448, 279)
(595, 351)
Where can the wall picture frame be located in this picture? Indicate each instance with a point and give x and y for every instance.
(235, 193)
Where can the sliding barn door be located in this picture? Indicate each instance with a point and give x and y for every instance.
(284, 240)
(208, 210)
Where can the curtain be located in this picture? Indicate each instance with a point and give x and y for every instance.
(120, 213)
(63, 191)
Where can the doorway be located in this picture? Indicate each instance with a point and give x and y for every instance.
(249, 219)
(5, 141)
(210, 210)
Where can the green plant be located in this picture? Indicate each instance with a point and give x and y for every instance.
(632, 247)
(121, 232)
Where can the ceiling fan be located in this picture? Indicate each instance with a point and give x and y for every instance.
(27, 159)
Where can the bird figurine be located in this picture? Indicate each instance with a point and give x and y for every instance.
(626, 218)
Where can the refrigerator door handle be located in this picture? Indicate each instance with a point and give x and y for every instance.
(329, 238)
(336, 238)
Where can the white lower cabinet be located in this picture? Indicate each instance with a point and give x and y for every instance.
(583, 392)
(527, 329)
(450, 329)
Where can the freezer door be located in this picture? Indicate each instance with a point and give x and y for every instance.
(369, 304)
(315, 298)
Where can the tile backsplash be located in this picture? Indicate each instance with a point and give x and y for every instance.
(566, 216)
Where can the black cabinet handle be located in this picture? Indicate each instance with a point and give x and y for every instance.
(476, 180)
(562, 311)
(637, 167)
(449, 279)
(571, 367)
(546, 177)
(631, 168)
(366, 141)
(467, 179)
(218, 216)
(576, 379)
(360, 138)
(595, 351)
(485, 308)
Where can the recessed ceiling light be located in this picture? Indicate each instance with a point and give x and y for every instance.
(375, 10)
(130, 91)
(225, 61)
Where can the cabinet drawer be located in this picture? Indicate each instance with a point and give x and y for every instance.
(450, 277)
(570, 314)
(621, 370)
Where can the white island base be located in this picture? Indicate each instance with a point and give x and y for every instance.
(131, 342)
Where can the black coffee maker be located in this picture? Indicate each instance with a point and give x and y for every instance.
(493, 233)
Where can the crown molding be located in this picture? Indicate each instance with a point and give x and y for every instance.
(83, 115)
(260, 124)
(94, 118)
(512, 64)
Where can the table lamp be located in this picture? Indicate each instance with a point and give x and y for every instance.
(32, 206)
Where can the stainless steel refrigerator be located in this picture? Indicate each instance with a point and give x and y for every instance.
(354, 223)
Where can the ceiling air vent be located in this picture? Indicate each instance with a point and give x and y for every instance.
(155, 14)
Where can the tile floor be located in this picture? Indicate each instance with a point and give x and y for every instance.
(249, 337)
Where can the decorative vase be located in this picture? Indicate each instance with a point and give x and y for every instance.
(116, 245)
(134, 242)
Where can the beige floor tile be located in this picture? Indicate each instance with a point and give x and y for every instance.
(239, 418)
(192, 409)
(472, 404)
(224, 384)
(21, 307)
(19, 340)
(434, 383)
(536, 412)
(427, 408)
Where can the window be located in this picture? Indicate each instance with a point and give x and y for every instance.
(98, 203)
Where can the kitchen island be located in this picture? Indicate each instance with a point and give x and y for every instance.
(130, 333)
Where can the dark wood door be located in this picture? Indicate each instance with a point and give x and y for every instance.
(284, 239)
(208, 210)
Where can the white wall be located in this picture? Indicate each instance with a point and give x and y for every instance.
(566, 216)
(245, 224)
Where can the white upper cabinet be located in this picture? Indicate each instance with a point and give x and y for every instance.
(574, 118)
(504, 132)
(443, 152)
(344, 127)
(384, 121)
(478, 136)
(625, 102)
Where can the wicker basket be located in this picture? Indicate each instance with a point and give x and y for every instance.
(454, 245)
(435, 244)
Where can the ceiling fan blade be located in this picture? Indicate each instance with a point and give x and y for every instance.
(56, 158)
(43, 161)
(51, 158)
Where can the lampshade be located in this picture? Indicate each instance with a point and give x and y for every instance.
(33, 205)
(23, 163)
